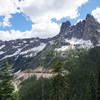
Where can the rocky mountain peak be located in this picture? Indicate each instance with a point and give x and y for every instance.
(26, 53)
(65, 25)
(91, 20)
(86, 29)
(89, 16)
(91, 29)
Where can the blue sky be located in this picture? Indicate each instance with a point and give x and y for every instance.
(83, 11)
(19, 21)
(28, 18)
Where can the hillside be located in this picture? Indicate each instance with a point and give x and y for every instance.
(30, 53)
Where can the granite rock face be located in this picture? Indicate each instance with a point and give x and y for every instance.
(88, 29)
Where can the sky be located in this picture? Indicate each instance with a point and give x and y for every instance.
(42, 18)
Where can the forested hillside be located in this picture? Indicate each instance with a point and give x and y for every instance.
(75, 78)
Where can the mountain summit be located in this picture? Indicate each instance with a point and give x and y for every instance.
(88, 29)
(26, 53)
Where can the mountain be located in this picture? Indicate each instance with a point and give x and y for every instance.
(29, 53)
(24, 47)
(88, 29)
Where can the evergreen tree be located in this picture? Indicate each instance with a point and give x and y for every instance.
(6, 86)
(94, 55)
(30, 89)
(81, 75)
(59, 82)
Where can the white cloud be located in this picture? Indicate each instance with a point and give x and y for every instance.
(11, 35)
(42, 30)
(6, 22)
(41, 12)
(8, 7)
(96, 14)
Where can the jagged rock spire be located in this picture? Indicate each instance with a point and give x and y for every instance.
(64, 26)
(90, 18)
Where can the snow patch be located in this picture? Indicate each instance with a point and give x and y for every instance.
(16, 47)
(63, 48)
(2, 52)
(51, 42)
(75, 43)
(24, 41)
(30, 55)
(31, 41)
(98, 30)
(20, 44)
(35, 40)
(14, 54)
(2, 46)
(81, 42)
(35, 49)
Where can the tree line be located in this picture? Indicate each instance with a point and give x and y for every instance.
(76, 77)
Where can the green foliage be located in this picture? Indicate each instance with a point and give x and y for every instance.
(82, 77)
(59, 82)
(6, 86)
(75, 78)
(48, 58)
(57, 65)
(94, 55)
(60, 88)
(33, 89)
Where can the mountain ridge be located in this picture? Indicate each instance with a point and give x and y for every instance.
(27, 52)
